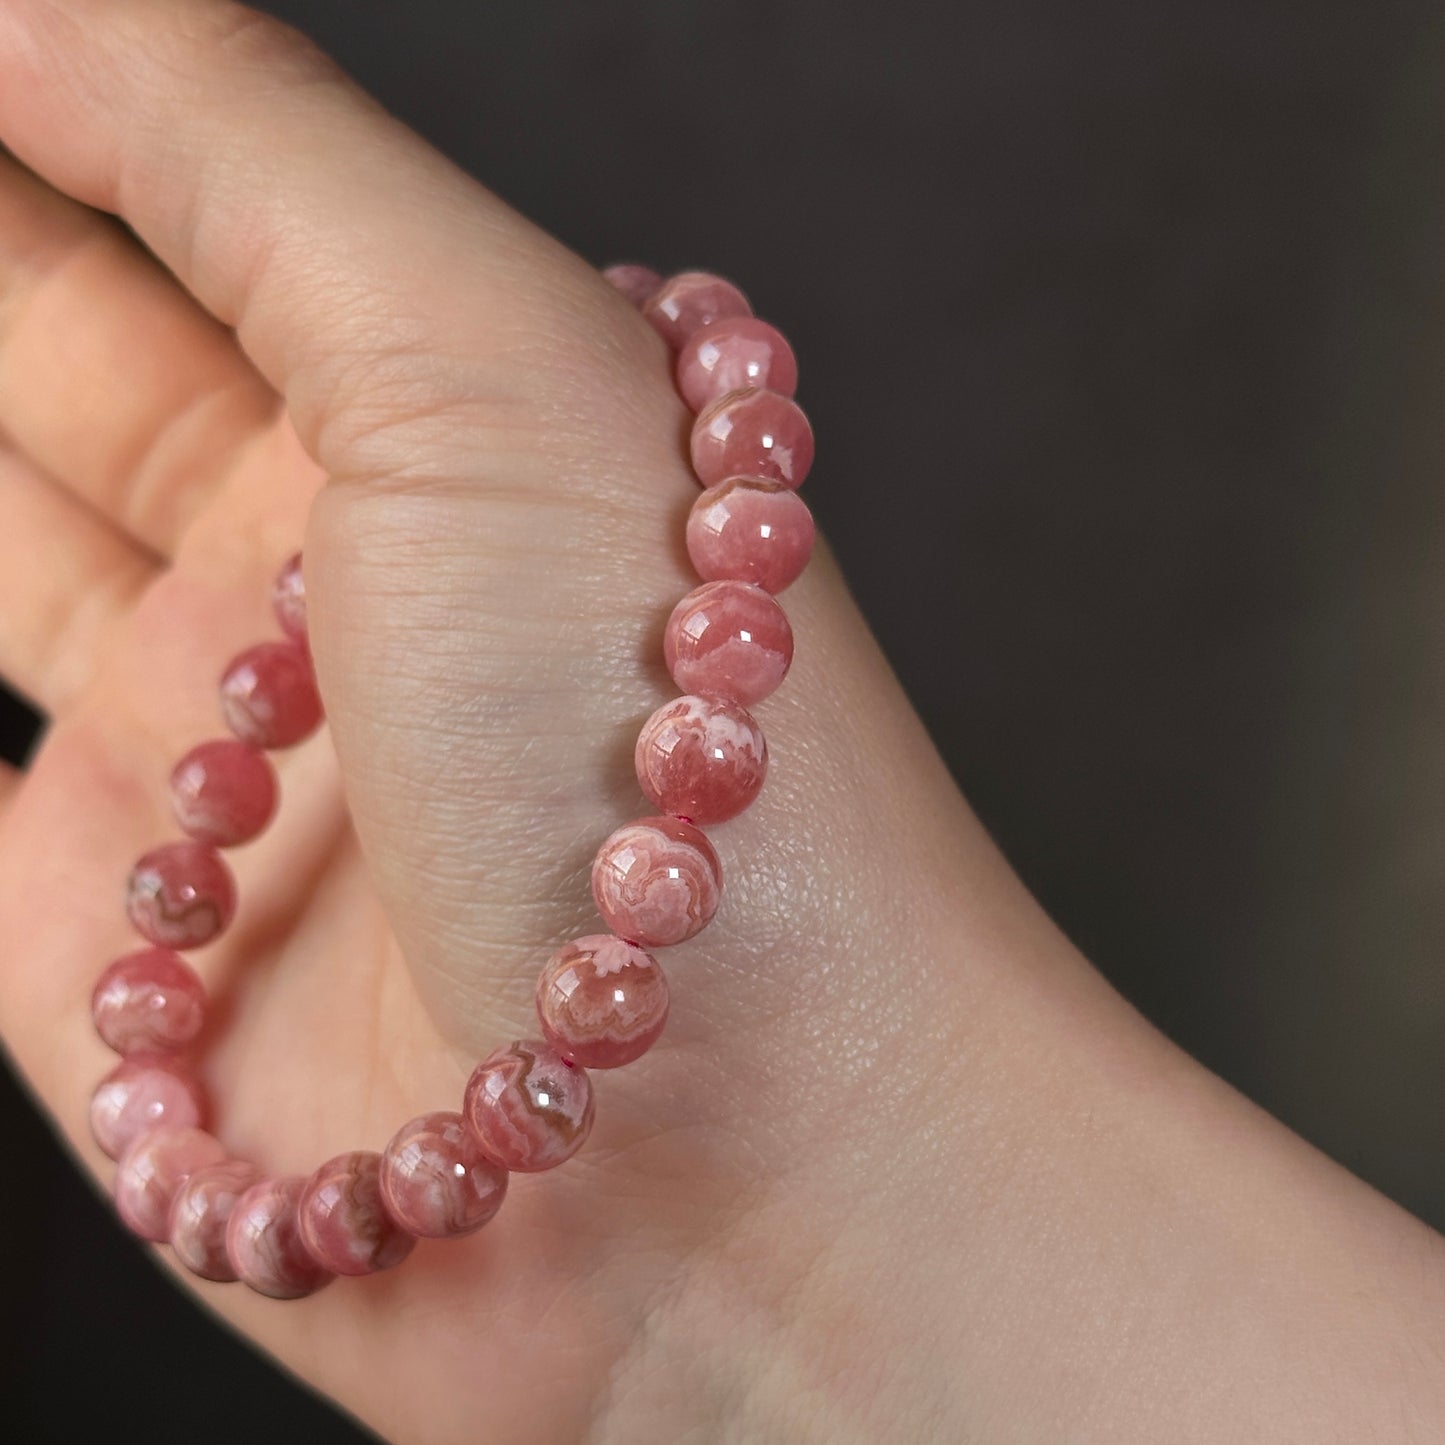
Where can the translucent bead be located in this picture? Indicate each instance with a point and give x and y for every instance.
(728, 639)
(636, 283)
(602, 1002)
(181, 895)
(150, 1002)
(344, 1223)
(752, 433)
(748, 529)
(224, 792)
(657, 881)
(701, 758)
(151, 1172)
(731, 355)
(436, 1181)
(692, 299)
(288, 600)
(269, 697)
(143, 1093)
(528, 1108)
(263, 1241)
(200, 1213)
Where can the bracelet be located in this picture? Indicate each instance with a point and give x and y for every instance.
(602, 1000)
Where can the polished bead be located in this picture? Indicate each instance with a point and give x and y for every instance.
(344, 1223)
(200, 1213)
(602, 1002)
(692, 299)
(269, 697)
(263, 1241)
(141, 1094)
(528, 1108)
(181, 895)
(730, 355)
(748, 529)
(728, 639)
(657, 881)
(636, 283)
(288, 600)
(150, 1002)
(701, 758)
(436, 1181)
(753, 433)
(224, 792)
(151, 1172)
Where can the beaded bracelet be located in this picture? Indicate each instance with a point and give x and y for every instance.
(602, 999)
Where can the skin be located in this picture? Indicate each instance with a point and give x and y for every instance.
(902, 1166)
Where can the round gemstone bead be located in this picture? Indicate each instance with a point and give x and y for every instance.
(151, 1172)
(288, 600)
(150, 1002)
(602, 1002)
(143, 1093)
(657, 881)
(692, 299)
(636, 283)
(701, 758)
(200, 1213)
(749, 529)
(728, 639)
(436, 1181)
(269, 696)
(730, 355)
(181, 895)
(528, 1108)
(263, 1241)
(344, 1223)
(753, 433)
(224, 792)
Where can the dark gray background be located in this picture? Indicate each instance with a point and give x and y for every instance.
(1122, 331)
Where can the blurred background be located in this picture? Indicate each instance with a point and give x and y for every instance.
(1123, 330)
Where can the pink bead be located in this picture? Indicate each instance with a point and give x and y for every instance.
(692, 299)
(657, 882)
(752, 433)
(288, 600)
(224, 792)
(181, 895)
(143, 1093)
(269, 697)
(731, 355)
(151, 1172)
(701, 758)
(263, 1241)
(602, 1002)
(636, 283)
(200, 1213)
(149, 1002)
(748, 529)
(435, 1180)
(728, 639)
(344, 1223)
(528, 1108)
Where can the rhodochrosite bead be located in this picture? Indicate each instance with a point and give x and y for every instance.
(288, 600)
(732, 354)
(602, 1002)
(143, 1093)
(749, 529)
(636, 283)
(754, 433)
(181, 895)
(692, 299)
(151, 1172)
(148, 1002)
(263, 1241)
(701, 758)
(344, 1223)
(728, 639)
(269, 697)
(528, 1108)
(657, 881)
(224, 792)
(436, 1181)
(200, 1213)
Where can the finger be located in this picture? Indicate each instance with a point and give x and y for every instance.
(92, 328)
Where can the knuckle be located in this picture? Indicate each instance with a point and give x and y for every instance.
(227, 41)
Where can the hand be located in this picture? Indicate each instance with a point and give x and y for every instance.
(902, 1167)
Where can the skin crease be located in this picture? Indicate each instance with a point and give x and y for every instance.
(901, 1167)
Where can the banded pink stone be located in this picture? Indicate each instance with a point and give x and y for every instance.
(636, 283)
(750, 529)
(436, 1181)
(732, 354)
(224, 792)
(657, 881)
(181, 895)
(142, 1093)
(728, 639)
(602, 1002)
(288, 600)
(692, 299)
(754, 433)
(263, 1241)
(527, 1107)
(701, 758)
(149, 1002)
(269, 697)
(344, 1223)
(200, 1213)
(151, 1172)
